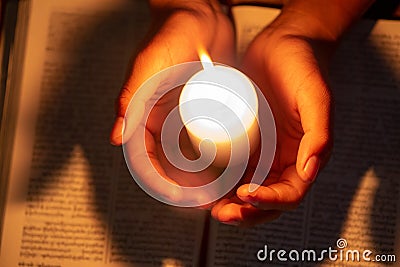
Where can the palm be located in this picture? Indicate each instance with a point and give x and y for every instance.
(280, 82)
(289, 76)
(155, 127)
(177, 41)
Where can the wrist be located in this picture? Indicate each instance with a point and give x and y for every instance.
(327, 21)
(286, 38)
(197, 23)
(200, 8)
(296, 23)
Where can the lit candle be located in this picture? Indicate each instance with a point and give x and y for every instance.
(219, 107)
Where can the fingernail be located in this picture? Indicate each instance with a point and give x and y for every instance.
(233, 223)
(253, 188)
(311, 169)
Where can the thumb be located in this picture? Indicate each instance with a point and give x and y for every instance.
(314, 106)
(137, 74)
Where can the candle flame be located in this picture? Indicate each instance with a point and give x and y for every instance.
(205, 59)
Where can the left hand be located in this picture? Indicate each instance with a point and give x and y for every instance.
(288, 66)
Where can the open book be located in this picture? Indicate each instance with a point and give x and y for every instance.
(67, 198)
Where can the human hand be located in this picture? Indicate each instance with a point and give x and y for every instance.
(175, 38)
(289, 65)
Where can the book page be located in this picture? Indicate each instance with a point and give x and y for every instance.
(235, 246)
(364, 170)
(353, 206)
(71, 200)
(249, 21)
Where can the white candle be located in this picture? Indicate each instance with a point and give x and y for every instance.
(219, 105)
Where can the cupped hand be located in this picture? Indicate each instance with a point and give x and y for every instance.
(289, 66)
(176, 37)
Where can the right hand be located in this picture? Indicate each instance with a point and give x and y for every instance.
(174, 39)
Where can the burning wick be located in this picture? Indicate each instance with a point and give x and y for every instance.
(219, 108)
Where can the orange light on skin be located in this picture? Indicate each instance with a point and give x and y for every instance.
(219, 105)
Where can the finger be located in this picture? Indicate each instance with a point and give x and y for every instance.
(230, 211)
(284, 195)
(314, 105)
(116, 131)
(218, 206)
